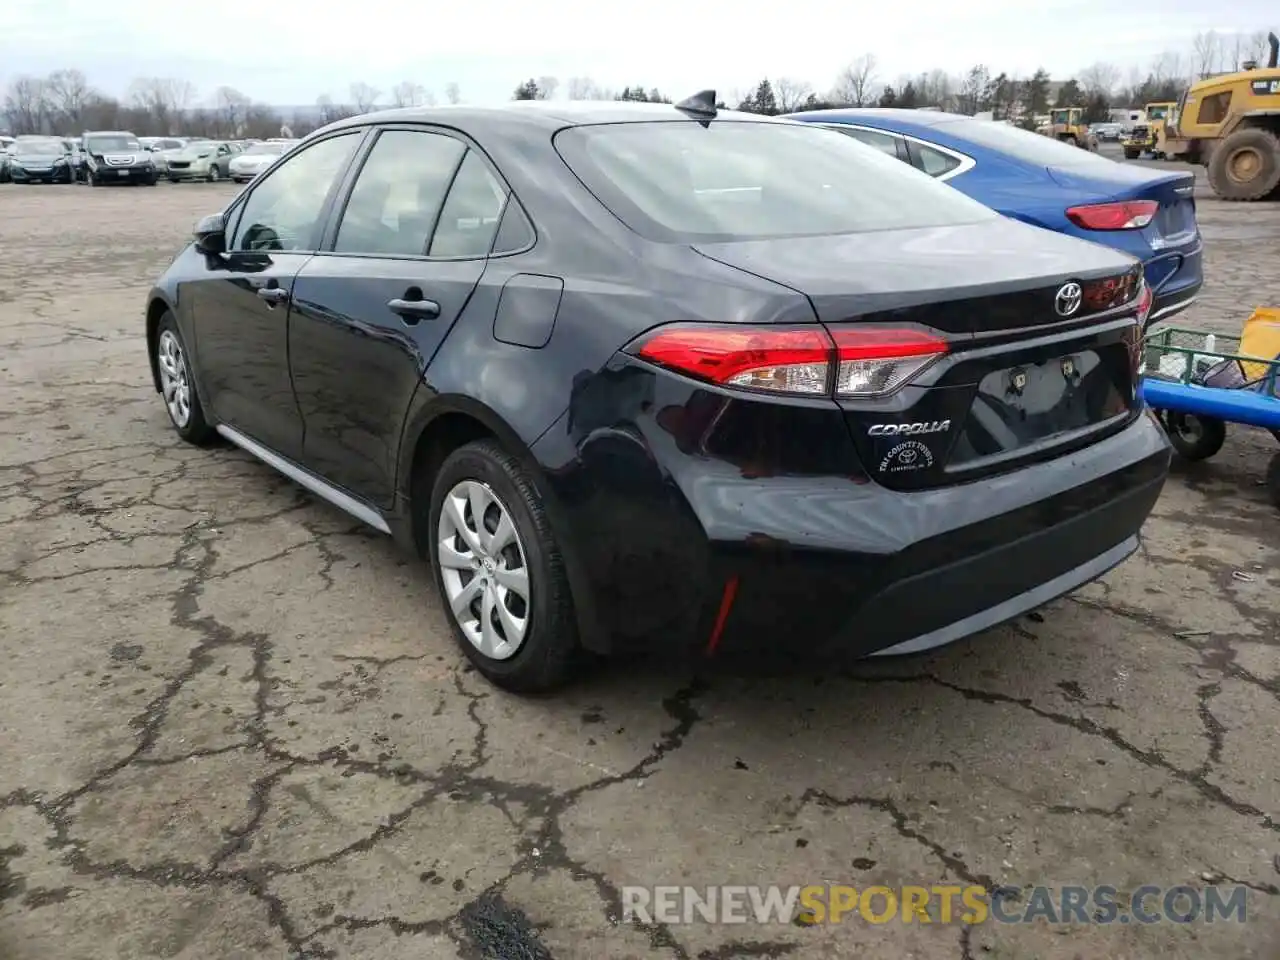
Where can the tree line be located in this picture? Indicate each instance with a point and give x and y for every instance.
(66, 103)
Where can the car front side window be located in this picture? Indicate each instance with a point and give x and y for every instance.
(283, 211)
(398, 194)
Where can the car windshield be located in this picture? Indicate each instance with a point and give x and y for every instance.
(41, 148)
(267, 148)
(114, 145)
(1157, 113)
(737, 180)
(1022, 144)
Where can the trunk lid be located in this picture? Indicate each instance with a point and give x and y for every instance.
(1020, 382)
(1174, 222)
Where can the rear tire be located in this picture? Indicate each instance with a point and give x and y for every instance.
(178, 386)
(1246, 165)
(1131, 154)
(528, 653)
(1195, 438)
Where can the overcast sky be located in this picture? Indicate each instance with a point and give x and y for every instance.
(289, 52)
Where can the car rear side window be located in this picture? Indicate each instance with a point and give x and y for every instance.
(283, 210)
(398, 194)
(470, 216)
(679, 181)
(934, 162)
(884, 142)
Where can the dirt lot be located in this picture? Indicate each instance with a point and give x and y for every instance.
(234, 724)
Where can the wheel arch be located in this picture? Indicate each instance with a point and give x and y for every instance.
(437, 428)
(157, 306)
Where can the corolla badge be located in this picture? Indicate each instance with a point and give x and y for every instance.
(1067, 300)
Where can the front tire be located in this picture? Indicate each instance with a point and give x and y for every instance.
(499, 570)
(213, 176)
(177, 385)
(1246, 165)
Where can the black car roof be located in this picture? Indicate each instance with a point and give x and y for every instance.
(550, 115)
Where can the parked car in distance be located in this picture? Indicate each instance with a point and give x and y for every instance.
(116, 156)
(1148, 213)
(1109, 132)
(201, 160)
(632, 375)
(4, 159)
(256, 158)
(161, 148)
(40, 160)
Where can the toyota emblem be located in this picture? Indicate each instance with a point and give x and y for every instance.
(1067, 299)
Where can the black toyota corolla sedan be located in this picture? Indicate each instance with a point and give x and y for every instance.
(639, 375)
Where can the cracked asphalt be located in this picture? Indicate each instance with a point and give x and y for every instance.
(234, 724)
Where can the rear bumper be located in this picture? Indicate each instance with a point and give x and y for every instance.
(1176, 276)
(681, 550)
(945, 582)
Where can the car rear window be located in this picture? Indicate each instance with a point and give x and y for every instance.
(1021, 144)
(739, 180)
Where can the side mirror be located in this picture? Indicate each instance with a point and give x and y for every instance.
(211, 234)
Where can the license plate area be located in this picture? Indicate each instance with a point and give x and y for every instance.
(122, 173)
(1025, 405)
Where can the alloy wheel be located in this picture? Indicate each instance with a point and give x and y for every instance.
(484, 570)
(174, 384)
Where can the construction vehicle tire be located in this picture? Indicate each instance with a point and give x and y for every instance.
(1246, 165)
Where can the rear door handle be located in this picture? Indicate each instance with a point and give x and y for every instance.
(414, 310)
(273, 295)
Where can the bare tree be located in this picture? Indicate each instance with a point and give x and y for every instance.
(547, 87)
(790, 93)
(1167, 67)
(231, 111)
(68, 93)
(856, 82)
(363, 96)
(584, 88)
(162, 99)
(1256, 47)
(1100, 79)
(1206, 54)
(27, 105)
(452, 93)
(410, 94)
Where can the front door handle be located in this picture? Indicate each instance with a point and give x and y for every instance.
(411, 311)
(273, 295)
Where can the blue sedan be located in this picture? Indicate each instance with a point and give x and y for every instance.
(1148, 213)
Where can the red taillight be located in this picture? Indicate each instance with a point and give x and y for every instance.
(874, 361)
(1145, 298)
(865, 362)
(1128, 215)
(783, 360)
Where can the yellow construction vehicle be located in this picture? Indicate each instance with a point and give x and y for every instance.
(1067, 124)
(1157, 116)
(1144, 137)
(1231, 125)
